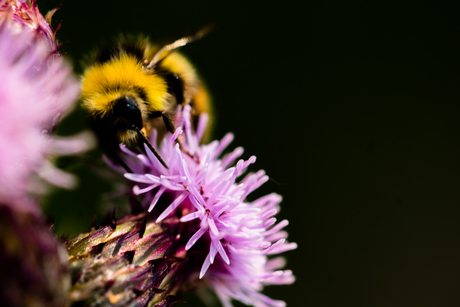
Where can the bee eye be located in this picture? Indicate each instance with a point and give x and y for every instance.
(127, 113)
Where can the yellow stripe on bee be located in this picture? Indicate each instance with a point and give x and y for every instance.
(105, 83)
(178, 64)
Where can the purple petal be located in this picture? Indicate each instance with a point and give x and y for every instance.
(126, 150)
(217, 191)
(203, 121)
(153, 160)
(277, 227)
(201, 175)
(174, 178)
(212, 252)
(230, 158)
(205, 267)
(270, 222)
(191, 216)
(276, 236)
(140, 178)
(212, 227)
(275, 263)
(282, 248)
(273, 246)
(268, 214)
(268, 301)
(176, 134)
(222, 177)
(188, 130)
(171, 207)
(156, 198)
(196, 203)
(228, 138)
(222, 252)
(195, 238)
(138, 191)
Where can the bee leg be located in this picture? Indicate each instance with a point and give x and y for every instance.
(142, 139)
(120, 161)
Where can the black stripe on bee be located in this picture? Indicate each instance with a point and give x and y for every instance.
(140, 91)
(127, 46)
(175, 85)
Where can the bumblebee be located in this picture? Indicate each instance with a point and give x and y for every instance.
(133, 87)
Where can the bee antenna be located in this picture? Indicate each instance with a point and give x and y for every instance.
(149, 145)
(164, 52)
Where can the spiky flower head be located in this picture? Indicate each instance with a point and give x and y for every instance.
(209, 197)
(23, 16)
(132, 262)
(36, 88)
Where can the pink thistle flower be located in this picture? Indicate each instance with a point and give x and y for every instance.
(36, 87)
(23, 15)
(240, 235)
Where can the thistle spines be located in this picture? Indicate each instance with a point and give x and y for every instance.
(137, 263)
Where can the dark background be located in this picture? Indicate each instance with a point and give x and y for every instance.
(351, 108)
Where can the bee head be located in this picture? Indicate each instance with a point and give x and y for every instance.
(128, 119)
(126, 114)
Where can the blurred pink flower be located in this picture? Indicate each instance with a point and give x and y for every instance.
(240, 234)
(36, 87)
